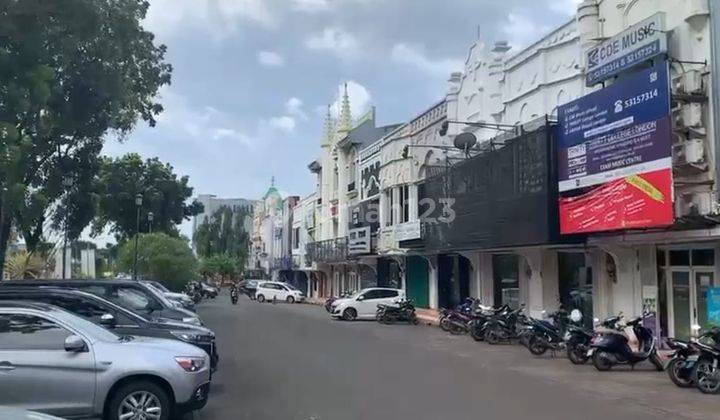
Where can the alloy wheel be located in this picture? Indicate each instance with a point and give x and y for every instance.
(140, 405)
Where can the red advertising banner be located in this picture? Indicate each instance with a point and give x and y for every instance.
(636, 201)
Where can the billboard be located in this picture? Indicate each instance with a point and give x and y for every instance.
(617, 142)
(635, 45)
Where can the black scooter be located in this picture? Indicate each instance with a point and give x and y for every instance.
(480, 319)
(577, 343)
(544, 336)
(609, 348)
(404, 311)
(706, 373)
(233, 295)
(505, 327)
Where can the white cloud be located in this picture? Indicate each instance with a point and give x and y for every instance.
(294, 106)
(284, 123)
(198, 124)
(335, 41)
(523, 30)
(415, 56)
(270, 59)
(312, 6)
(218, 18)
(565, 7)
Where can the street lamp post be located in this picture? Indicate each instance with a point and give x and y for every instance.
(138, 204)
(67, 182)
(151, 216)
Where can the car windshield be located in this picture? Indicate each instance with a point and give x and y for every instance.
(159, 286)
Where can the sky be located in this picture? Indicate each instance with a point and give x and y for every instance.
(252, 79)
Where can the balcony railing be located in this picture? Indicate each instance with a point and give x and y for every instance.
(329, 251)
(283, 263)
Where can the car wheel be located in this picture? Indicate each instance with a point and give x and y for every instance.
(349, 314)
(260, 298)
(290, 299)
(141, 399)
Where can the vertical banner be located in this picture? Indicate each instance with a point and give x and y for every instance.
(713, 306)
(616, 145)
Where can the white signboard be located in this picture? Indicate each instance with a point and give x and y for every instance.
(359, 240)
(636, 44)
(408, 231)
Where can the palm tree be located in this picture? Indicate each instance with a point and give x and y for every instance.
(24, 265)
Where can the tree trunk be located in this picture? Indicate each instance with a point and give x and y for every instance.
(4, 238)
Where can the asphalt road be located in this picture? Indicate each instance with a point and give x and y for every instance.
(293, 362)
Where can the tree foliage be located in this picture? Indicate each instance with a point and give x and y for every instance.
(27, 265)
(221, 265)
(223, 233)
(163, 193)
(161, 257)
(70, 72)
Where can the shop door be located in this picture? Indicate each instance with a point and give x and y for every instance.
(417, 281)
(689, 300)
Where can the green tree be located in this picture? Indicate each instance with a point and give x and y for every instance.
(70, 73)
(161, 257)
(221, 265)
(163, 192)
(223, 233)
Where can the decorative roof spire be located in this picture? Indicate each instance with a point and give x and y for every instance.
(329, 127)
(272, 181)
(345, 115)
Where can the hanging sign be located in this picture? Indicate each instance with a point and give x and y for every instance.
(637, 44)
(617, 131)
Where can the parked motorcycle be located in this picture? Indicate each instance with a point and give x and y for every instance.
(505, 326)
(479, 321)
(404, 311)
(706, 373)
(544, 335)
(611, 347)
(577, 344)
(455, 321)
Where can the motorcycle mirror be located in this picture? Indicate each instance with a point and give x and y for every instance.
(576, 315)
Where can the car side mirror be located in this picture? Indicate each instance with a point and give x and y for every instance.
(360, 298)
(75, 344)
(107, 320)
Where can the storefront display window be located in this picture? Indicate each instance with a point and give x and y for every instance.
(576, 284)
(506, 280)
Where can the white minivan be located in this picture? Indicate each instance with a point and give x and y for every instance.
(269, 290)
(363, 304)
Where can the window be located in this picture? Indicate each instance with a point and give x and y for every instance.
(385, 294)
(391, 207)
(296, 238)
(404, 205)
(88, 309)
(132, 298)
(30, 332)
(371, 294)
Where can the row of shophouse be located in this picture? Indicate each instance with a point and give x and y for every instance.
(579, 171)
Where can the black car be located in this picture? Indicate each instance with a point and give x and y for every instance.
(132, 295)
(115, 317)
(248, 287)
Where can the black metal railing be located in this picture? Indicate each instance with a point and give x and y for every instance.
(328, 251)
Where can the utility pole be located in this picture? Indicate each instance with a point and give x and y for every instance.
(138, 204)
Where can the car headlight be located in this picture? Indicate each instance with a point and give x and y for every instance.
(186, 335)
(191, 320)
(191, 364)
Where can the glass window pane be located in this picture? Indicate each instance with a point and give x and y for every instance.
(681, 303)
(703, 257)
(703, 281)
(661, 257)
(680, 258)
(29, 332)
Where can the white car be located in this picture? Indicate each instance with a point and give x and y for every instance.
(363, 304)
(269, 290)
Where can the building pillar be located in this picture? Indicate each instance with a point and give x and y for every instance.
(433, 281)
(485, 271)
(627, 289)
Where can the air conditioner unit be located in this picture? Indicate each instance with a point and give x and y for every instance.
(692, 82)
(695, 204)
(689, 152)
(691, 115)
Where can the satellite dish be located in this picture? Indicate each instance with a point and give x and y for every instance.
(465, 141)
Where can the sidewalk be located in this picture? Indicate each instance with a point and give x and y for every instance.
(428, 316)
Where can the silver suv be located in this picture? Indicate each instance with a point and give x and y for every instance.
(58, 363)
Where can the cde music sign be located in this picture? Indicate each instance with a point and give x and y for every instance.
(634, 45)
